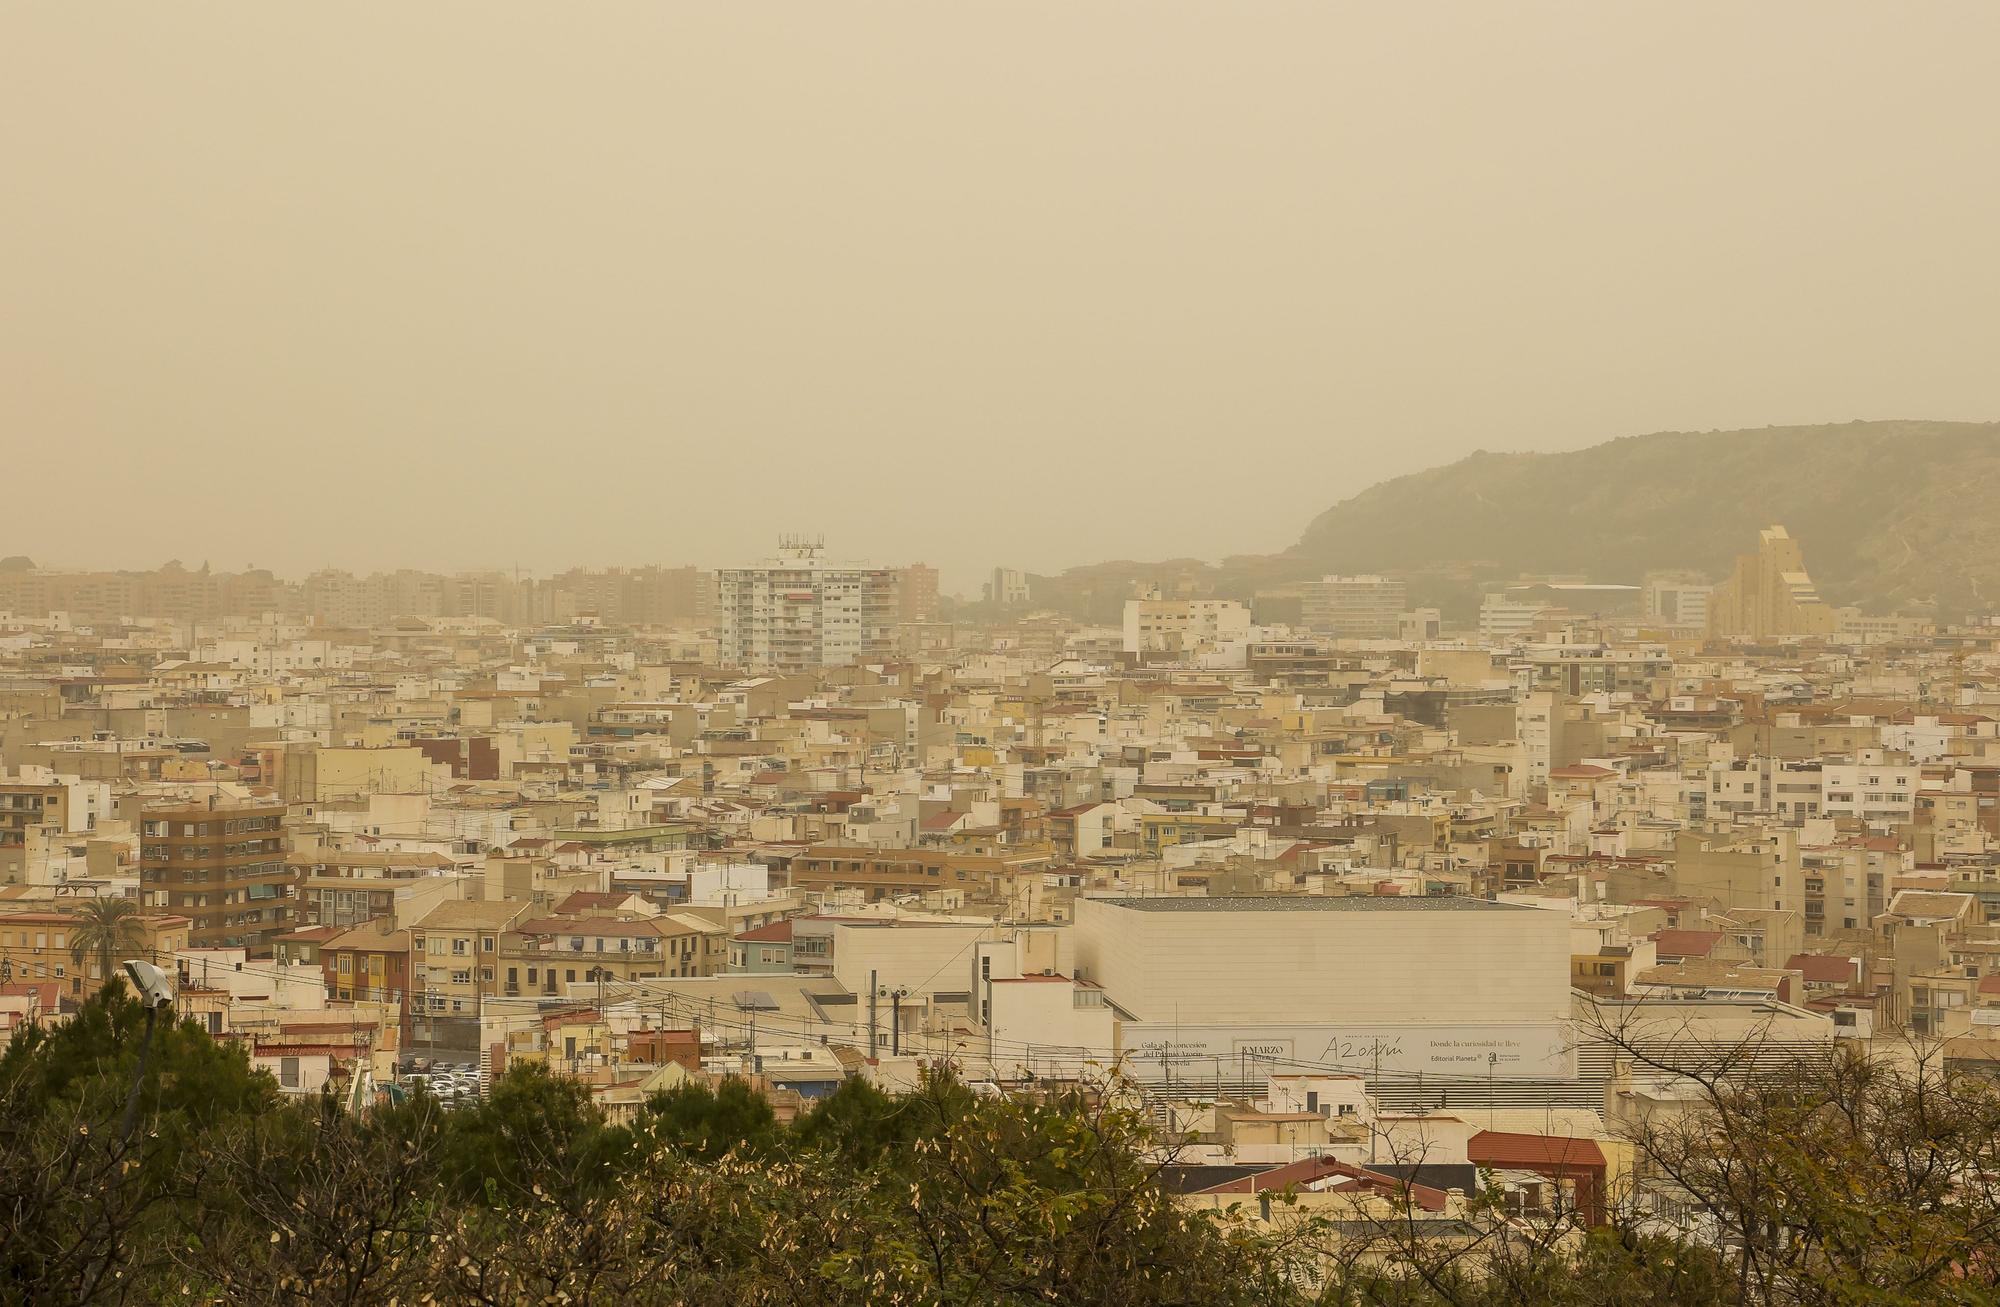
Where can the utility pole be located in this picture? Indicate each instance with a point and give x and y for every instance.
(872, 988)
(896, 1023)
(1491, 1060)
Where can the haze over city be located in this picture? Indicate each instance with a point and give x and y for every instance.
(482, 285)
(1106, 653)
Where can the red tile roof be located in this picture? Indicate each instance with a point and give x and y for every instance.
(1687, 943)
(777, 932)
(1823, 969)
(584, 899)
(1500, 1148)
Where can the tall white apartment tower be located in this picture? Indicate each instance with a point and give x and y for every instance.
(797, 612)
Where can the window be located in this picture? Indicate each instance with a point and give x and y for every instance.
(486, 944)
(288, 1072)
(486, 974)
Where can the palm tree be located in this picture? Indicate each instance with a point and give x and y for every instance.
(108, 929)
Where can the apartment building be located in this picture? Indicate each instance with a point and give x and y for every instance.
(1878, 787)
(565, 953)
(1182, 626)
(1353, 607)
(1768, 594)
(798, 612)
(455, 965)
(347, 888)
(917, 593)
(1678, 599)
(217, 857)
(878, 874)
(36, 798)
(38, 945)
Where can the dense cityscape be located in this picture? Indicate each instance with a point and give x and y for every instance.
(1070, 653)
(1378, 907)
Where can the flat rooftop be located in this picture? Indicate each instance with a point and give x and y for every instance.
(1312, 903)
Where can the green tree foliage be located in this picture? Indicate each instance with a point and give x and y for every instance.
(1854, 1183)
(704, 1124)
(861, 1126)
(535, 1134)
(82, 1210)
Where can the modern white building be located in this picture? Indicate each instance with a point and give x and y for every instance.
(1878, 787)
(797, 612)
(1232, 989)
(1179, 626)
(1502, 619)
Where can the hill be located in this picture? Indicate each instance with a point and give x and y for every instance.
(1889, 513)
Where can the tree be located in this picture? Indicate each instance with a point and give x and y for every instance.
(108, 930)
(310, 1205)
(83, 1211)
(705, 1124)
(1838, 1176)
(860, 1124)
(1060, 1199)
(534, 1135)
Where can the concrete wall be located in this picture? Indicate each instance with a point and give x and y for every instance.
(1461, 964)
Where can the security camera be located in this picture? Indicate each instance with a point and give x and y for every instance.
(150, 982)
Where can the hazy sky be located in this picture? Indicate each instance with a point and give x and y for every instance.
(483, 283)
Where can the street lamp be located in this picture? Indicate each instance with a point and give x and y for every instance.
(150, 984)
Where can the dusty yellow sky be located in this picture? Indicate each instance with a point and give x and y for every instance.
(485, 283)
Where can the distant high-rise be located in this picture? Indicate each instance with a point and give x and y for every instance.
(1353, 607)
(1769, 594)
(797, 612)
(1677, 599)
(917, 593)
(1008, 587)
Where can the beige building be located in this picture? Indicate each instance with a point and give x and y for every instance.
(455, 964)
(37, 945)
(1353, 607)
(1239, 987)
(1769, 594)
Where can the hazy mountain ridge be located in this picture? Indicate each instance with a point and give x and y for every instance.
(1889, 513)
